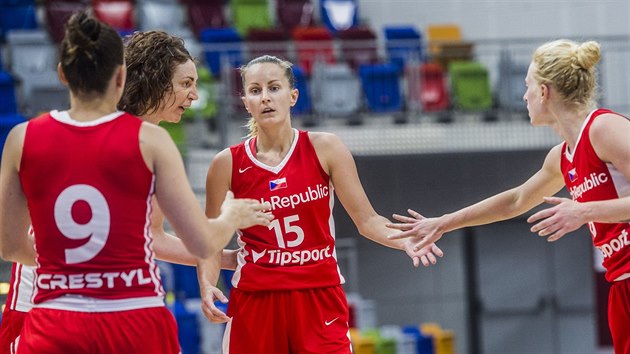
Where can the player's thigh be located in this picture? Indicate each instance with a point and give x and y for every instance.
(319, 321)
(258, 323)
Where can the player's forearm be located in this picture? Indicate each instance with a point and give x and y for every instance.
(376, 230)
(499, 207)
(222, 230)
(228, 259)
(208, 271)
(607, 211)
(171, 249)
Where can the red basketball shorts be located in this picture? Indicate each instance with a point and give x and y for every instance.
(619, 315)
(143, 331)
(12, 322)
(282, 322)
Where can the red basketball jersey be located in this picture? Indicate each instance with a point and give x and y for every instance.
(297, 250)
(89, 194)
(590, 179)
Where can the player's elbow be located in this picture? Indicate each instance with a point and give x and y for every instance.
(9, 253)
(5, 250)
(6, 255)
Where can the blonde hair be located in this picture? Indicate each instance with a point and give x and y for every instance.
(288, 73)
(570, 68)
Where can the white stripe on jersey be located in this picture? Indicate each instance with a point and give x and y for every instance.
(22, 299)
(240, 258)
(80, 303)
(154, 271)
(23, 288)
(331, 224)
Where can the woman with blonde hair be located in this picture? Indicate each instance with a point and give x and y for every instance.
(593, 162)
(287, 294)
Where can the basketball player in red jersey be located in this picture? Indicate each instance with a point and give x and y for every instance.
(153, 98)
(87, 176)
(593, 162)
(157, 98)
(287, 295)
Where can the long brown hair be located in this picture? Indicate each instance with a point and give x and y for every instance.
(152, 58)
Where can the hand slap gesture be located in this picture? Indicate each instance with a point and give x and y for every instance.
(427, 254)
(421, 234)
(565, 216)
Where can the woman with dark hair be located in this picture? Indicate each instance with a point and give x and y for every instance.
(84, 179)
(161, 85)
(161, 77)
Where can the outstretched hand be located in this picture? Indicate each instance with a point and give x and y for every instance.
(247, 212)
(421, 231)
(555, 222)
(427, 254)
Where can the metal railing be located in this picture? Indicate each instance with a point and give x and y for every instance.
(614, 81)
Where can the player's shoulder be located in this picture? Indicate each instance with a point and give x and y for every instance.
(223, 156)
(222, 161)
(323, 139)
(153, 132)
(19, 129)
(220, 168)
(608, 136)
(15, 139)
(151, 128)
(556, 151)
(606, 123)
(554, 156)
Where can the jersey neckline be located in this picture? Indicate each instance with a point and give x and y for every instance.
(280, 166)
(64, 117)
(569, 153)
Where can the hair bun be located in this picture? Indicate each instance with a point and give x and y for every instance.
(587, 55)
(90, 27)
(82, 32)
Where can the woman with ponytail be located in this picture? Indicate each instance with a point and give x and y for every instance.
(593, 162)
(84, 179)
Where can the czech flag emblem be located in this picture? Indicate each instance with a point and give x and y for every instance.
(572, 175)
(279, 183)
